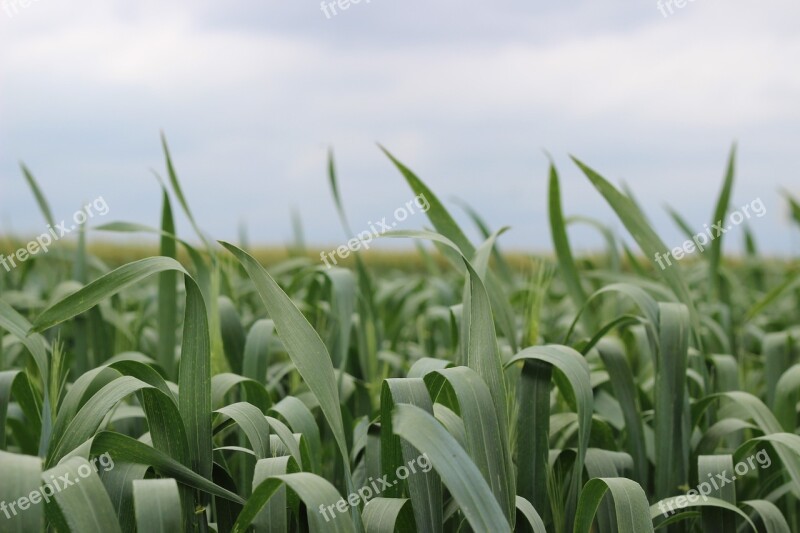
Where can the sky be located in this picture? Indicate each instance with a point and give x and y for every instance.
(470, 95)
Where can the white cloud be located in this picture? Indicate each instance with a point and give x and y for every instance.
(614, 80)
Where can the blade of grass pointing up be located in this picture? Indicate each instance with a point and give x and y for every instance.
(305, 348)
(647, 239)
(369, 333)
(437, 213)
(301, 341)
(337, 199)
(575, 369)
(444, 224)
(558, 229)
(671, 407)
(459, 474)
(194, 381)
(167, 291)
(681, 222)
(17, 325)
(630, 505)
(715, 250)
(502, 266)
(486, 435)
(482, 351)
(40, 198)
(176, 188)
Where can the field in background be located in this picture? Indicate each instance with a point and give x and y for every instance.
(455, 388)
(115, 255)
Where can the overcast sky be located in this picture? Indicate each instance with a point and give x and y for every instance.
(468, 94)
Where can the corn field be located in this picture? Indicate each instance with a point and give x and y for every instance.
(197, 390)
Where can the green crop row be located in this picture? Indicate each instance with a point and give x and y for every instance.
(196, 390)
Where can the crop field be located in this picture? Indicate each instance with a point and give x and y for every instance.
(200, 389)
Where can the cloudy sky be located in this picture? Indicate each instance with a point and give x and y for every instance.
(468, 94)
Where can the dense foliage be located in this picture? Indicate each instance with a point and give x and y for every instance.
(585, 395)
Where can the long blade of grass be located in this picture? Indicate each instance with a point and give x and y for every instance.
(630, 504)
(671, 407)
(647, 239)
(44, 207)
(102, 288)
(84, 505)
(723, 201)
(167, 291)
(558, 230)
(157, 505)
(459, 474)
(305, 348)
(21, 477)
(574, 368)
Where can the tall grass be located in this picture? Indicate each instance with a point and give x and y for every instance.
(585, 395)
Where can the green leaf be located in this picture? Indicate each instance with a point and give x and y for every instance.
(708, 467)
(256, 350)
(483, 354)
(194, 380)
(301, 420)
(558, 230)
(253, 423)
(102, 288)
(715, 250)
(647, 239)
(40, 198)
(167, 291)
(444, 224)
(786, 395)
(527, 510)
(425, 487)
(118, 482)
(791, 280)
(126, 449)
(84, 504)
(625, 392)
(317, 494)
(441, 219)
(302, 342)
(770, 516)
(157, 505)
(304, 346)
(459, 474)
(233, 338)
(487, 442)
(21, 478)
(533, 431)
(671, 400)
(19, 327)
(630, 504)
(388, 515)
(574, 368)
(664, 507)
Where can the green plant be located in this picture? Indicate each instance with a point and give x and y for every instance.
(586, 396)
